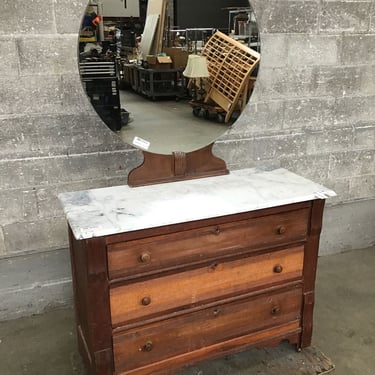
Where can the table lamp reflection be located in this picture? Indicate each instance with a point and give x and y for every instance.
(196, 69)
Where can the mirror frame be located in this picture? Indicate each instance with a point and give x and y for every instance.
(179, 166)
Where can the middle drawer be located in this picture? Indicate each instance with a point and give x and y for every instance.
(216, 280)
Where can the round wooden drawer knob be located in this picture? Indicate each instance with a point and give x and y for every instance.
(281, 229)
(145, 258)
(216, 312)
(278, 268)
(148, 346)
(146, 301)
(275, 310)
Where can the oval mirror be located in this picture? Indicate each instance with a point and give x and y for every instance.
(169, 75)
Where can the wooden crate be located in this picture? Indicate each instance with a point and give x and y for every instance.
(230, 64)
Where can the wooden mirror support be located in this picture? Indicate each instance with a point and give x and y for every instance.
(178, 166)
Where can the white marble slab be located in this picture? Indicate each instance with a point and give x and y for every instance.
(112, 210)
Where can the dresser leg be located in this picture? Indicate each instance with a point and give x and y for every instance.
(310, 266)
(308, 307)
(103, 362)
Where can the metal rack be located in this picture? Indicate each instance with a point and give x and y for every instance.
(100, 80)
(193, 39)
(244, 28)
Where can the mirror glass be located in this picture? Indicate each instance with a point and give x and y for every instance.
(169, 75)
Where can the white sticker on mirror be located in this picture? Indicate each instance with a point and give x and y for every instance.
(141, 143)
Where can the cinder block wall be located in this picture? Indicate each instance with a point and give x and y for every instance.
(313, 112)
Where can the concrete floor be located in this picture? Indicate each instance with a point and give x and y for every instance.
(168, 125)
(344, 327)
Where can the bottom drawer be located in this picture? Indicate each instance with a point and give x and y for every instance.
(204, 328)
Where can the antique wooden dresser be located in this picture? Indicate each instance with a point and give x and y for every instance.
(168, 275)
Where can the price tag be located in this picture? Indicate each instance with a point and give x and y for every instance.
(141, 143)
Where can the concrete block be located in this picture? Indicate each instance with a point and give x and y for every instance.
(363, 187)
(310, 81)
(355, 110)
(313, 167)
(344, 16)
(36, 236)
(259, 117)
(271, 83)
(11, 203)
(35, 298)
(299, 82)
(17, 139)
(274, 50)
(264, 165)
(47, 135)
(341, 187)
(364, 137)
(16, 205)
(258, 7)
(326, 141)
(337, 81)
(351, 164)
(48, 204)
(52, 170)
(275, 16)
(33, 268)
(2, 242)
(322, 81)
(368, 79)
(9, 62)
(348, 226)
(46, 55)
(92, 135)
(308, 113)
(23, 174)
(30, 208)
(310, 50)
(236, 152)
(372, 19)
(26, 17)
(30, 95)
(68, 15)
(86, 132)
(248, 151)
(92, 166)
(358, 49)
(279, 146)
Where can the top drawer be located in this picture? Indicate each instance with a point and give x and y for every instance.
(171, 250)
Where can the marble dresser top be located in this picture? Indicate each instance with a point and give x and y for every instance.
(117, 209)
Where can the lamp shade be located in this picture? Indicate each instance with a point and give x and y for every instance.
(196, 67)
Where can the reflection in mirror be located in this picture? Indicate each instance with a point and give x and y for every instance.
(169, 75)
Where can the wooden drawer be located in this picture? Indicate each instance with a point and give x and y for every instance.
(204, 328)
(216, 280)
(172, 250)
